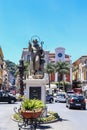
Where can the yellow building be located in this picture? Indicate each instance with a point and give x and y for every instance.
(1, 67)
(80, 69)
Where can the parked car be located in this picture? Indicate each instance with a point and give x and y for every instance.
(6, 97)
(60, 97)
(76, 101)
(49, 98)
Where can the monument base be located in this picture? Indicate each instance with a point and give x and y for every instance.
(36, 89)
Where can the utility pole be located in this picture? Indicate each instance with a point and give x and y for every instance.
(21, 68)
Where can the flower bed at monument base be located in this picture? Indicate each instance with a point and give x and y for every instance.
(51, 117)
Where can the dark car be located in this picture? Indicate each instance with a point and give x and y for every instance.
(6, 97)
(76, 101)
(49, 98)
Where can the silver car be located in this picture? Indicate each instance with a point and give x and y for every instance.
(60, 97)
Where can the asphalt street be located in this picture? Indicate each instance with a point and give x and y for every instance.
(69, 119)
(12, 125)
(7, 122)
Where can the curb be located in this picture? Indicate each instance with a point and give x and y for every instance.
(48, 122)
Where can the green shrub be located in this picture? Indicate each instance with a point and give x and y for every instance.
(32, 104)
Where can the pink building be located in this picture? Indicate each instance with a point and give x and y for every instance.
(60, 55)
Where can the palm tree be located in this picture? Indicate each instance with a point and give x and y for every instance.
(26, 69)
(62, 68)
(49, 69)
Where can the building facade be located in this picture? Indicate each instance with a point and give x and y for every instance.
(80, 73)
(80, 69)
(6, 84)
(25, 55)
(58, 55)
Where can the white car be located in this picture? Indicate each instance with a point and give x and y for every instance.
(60, 97)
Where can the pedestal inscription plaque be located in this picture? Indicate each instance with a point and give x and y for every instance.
(35, 93)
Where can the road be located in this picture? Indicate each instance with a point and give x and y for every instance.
(6, 112)
(70, 119)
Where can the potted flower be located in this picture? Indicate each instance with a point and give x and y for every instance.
(31, 108)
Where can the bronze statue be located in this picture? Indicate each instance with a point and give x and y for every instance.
(36, 58)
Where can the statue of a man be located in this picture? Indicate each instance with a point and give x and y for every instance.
(36, 57)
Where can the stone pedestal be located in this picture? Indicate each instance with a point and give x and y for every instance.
(36, 88)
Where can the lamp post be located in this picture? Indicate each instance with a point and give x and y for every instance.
(21, 74)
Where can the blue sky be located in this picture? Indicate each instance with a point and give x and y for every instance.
(59, 23)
